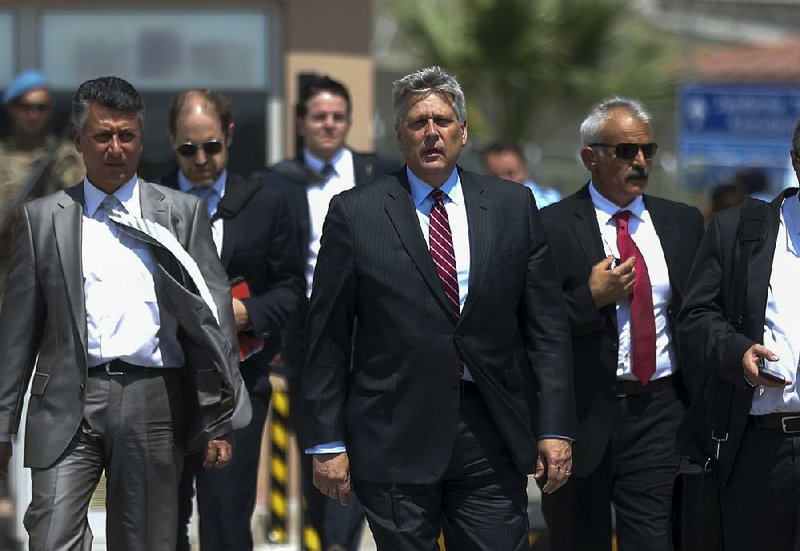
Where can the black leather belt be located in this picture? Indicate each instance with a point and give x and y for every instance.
(624, 388)
(118, 367)
(788, 423)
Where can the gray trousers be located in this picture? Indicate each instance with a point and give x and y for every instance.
(131, 429)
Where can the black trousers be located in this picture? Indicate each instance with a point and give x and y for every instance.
(759, 504)
(479, 504)
(635, 476)
(226, 497)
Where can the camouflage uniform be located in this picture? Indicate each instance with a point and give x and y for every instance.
(66, 169)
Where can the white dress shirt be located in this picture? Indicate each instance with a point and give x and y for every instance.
(319, 197)
(212, 196)
(644, 235)
(781, 322)
(121, 283)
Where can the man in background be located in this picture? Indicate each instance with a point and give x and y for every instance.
(507, 160)
(256, 243)
(324, 167)
(31, 150)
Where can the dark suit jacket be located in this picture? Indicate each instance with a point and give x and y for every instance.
(44, 313)
(390, 389)
(574, 235)
(713, 342)
(258, 244)
(292, 184)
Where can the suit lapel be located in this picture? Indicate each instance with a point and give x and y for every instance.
(400, 208)
(480, 238)
(153, 205)
(585, 227)
(67, 226)
(670, 238)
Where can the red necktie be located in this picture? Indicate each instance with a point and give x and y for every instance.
(643, 320)
(441, 245)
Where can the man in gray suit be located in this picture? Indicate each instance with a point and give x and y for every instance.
(132, 367)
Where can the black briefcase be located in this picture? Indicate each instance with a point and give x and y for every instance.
(695, 514)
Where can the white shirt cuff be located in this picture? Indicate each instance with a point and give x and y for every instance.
(330, 447)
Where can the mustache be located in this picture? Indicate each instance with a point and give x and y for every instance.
(637, 173)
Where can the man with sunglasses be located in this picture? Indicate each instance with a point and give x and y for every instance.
(624, 259)
(323, 167)
(28, 104)
(255, 241)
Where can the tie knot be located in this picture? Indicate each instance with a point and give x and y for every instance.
(111, 204)
(327, 170)
(437, 195)
(622, 218)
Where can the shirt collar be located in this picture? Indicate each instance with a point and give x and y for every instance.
(607, 207)
(128, 195)
(219, 184)
(316, 164)
(421, 190)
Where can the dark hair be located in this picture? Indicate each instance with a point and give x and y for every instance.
(109, 92)
(503, 147)
(219, 103)
(320, 84)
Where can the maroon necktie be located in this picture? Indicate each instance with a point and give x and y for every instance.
(643, 320)
(441, 245)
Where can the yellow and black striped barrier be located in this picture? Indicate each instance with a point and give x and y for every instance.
(279, 468)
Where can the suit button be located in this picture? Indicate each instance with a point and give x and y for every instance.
(613, 391)
(459, 337)
(82, 387)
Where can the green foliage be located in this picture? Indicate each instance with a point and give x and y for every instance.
(518, 59)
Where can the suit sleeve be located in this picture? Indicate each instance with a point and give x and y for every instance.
(707, 338)
(548, 342)
(20, 326)
(285, 297)
(329, 330)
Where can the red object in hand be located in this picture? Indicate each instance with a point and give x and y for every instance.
(248, 345)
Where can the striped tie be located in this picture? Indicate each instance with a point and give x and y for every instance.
(441, 245)
(156, 234)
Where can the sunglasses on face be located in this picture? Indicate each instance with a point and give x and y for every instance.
(628, 151)
(189, 150)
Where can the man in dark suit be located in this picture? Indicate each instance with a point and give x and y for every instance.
(256, 243)
(323, 121)
(754, 418)
(624, 259)
(132, 340)
(435, 321)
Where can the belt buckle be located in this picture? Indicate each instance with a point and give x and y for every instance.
(784, 426)
(109, 371)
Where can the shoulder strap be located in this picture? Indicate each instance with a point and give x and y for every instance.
(232, 203)
(296, 171)
(750, 236)
(752, 229)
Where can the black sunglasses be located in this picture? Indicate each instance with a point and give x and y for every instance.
(628, 151)
(189, 150)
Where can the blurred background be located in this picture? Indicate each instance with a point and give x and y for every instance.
(722, 78)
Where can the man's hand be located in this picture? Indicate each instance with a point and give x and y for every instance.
(750, 364)
(240, 315)
(608, 284)
(555, 459)
(219, 452)
(5, 456)
(332, 475)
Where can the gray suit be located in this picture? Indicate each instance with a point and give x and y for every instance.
(44, 314)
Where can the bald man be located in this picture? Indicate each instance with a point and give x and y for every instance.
(257, 248)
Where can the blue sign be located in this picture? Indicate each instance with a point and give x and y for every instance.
(728, 127)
